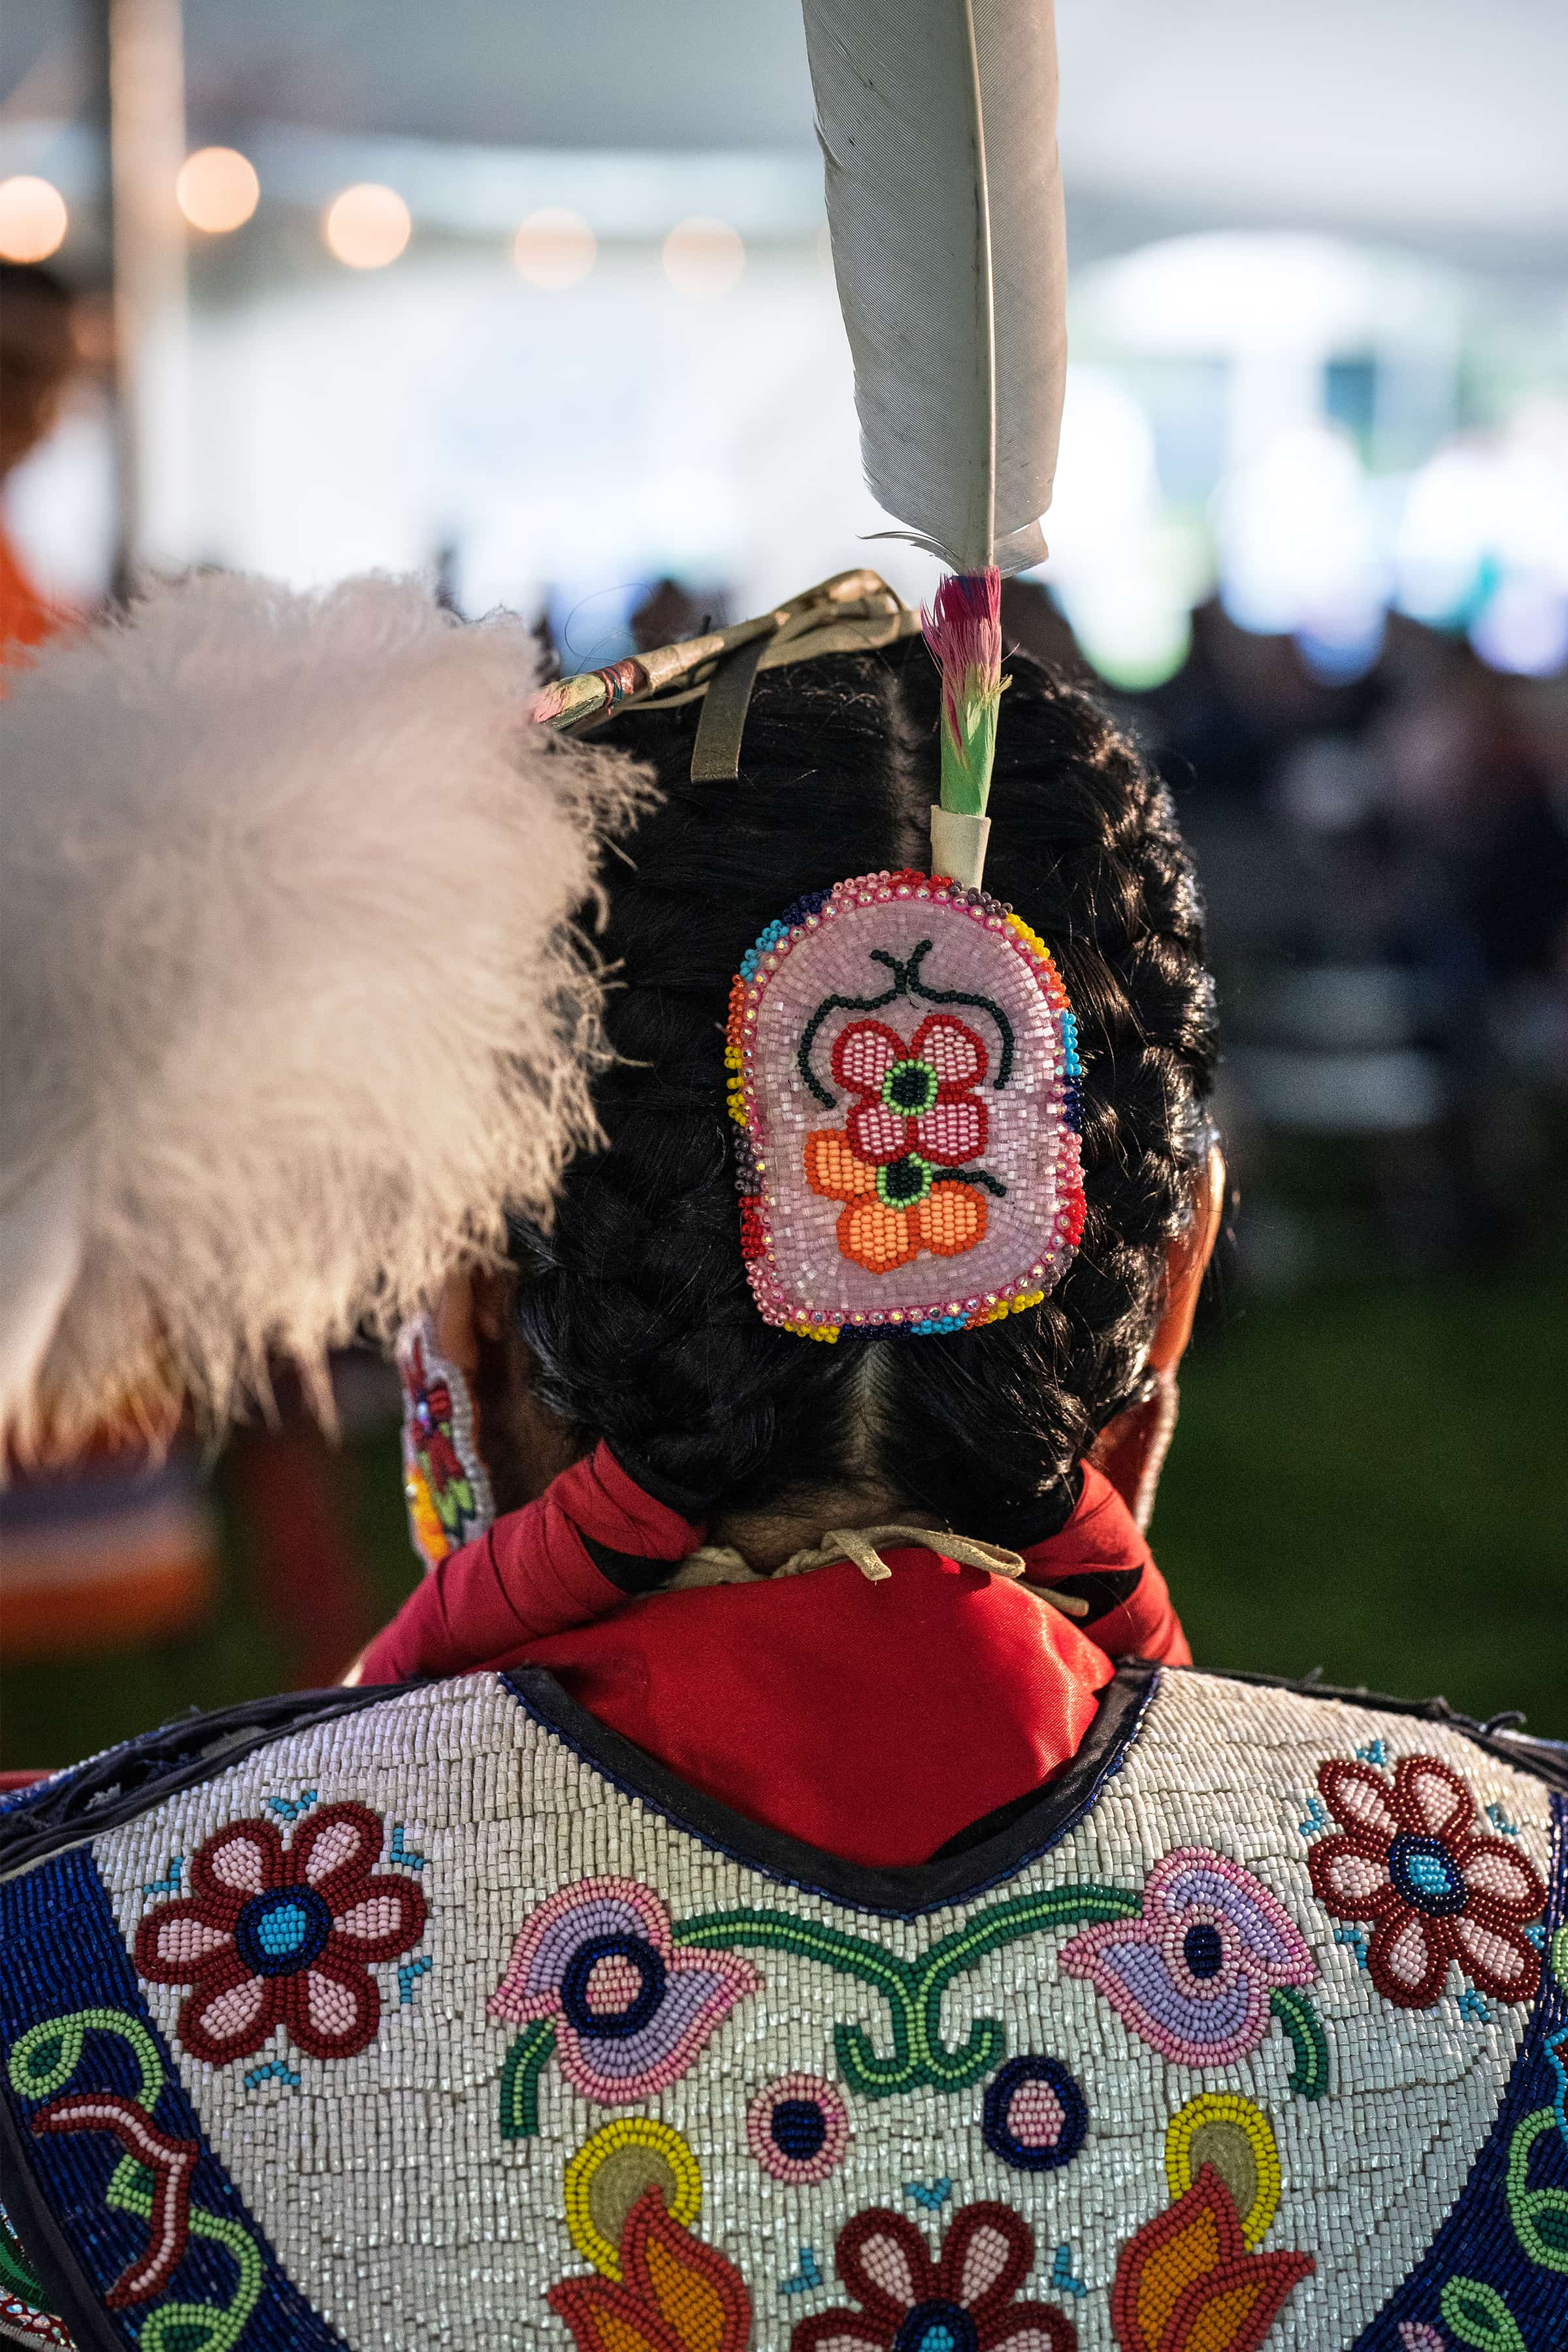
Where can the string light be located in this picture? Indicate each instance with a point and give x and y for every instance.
(217, 189)
(554, 248)
(33, 219)
(703, 257)
(367, 226)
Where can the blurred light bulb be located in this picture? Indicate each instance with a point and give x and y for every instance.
(217, 189)
(33, 219)
(1299, 542)
(554, 248)
(1524, 629)
(703, 257)
(367, 226)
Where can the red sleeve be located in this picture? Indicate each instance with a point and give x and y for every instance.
(1101, 1557)
(534, 1574)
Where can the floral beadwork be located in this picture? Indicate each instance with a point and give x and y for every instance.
(630, 2010)
(963, 2302)
(917, 1098)
(445, 1481)
(1035, 2114)
(798, 2128)
(283, 1934)
(1407, 1857)
(608, 2174)
(1188, 2278)
(918, 1121)
(1428, 2180)
(1195, 1973)
(151, 2184)
(673, 2294)
(959, 1140)
(1223, 2129)
(893, 1213)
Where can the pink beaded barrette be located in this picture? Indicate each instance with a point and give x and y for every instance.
(903, 1066)
(904, 1077)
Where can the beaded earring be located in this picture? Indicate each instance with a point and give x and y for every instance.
(445, 1483)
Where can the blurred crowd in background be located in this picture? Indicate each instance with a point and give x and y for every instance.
(568, 344)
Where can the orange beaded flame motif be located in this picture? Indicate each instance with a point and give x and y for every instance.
(674, 2294)
(1187, 2281)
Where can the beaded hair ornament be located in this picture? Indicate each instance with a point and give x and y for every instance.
(901, 1056)
(445, 1483)
(903, 1075)
(903, 1067)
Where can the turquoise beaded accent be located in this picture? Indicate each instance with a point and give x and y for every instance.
(283, 1931)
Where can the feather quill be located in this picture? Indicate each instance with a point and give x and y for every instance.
(293, 1006)
(938, 126)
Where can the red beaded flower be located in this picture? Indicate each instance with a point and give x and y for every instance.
(917, 1098)
(961, 2303)
(273, 1934)
(1407, 1857)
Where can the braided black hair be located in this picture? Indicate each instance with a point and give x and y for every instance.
(635, 1307)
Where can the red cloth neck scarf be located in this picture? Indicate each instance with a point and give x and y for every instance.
(876, 1720)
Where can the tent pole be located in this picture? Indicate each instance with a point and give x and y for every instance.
(143, 67)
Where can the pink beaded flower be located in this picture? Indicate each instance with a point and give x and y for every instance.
(631, 2007)
(273, 1934)
(1407, 1857)
(798, 2128)
(1193, 1976)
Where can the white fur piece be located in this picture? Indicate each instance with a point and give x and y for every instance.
(288, 986)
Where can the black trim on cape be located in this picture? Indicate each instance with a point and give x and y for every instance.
(49, 2254)
(109, 1790)
(86, 1800)
(902, 1893)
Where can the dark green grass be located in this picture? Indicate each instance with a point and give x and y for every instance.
(1370, 1482)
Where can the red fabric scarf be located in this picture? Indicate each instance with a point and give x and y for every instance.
(876, 1720)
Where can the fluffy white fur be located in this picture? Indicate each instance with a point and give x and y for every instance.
(292, 1002)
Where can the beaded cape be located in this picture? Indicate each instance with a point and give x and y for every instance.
(444, 2015)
